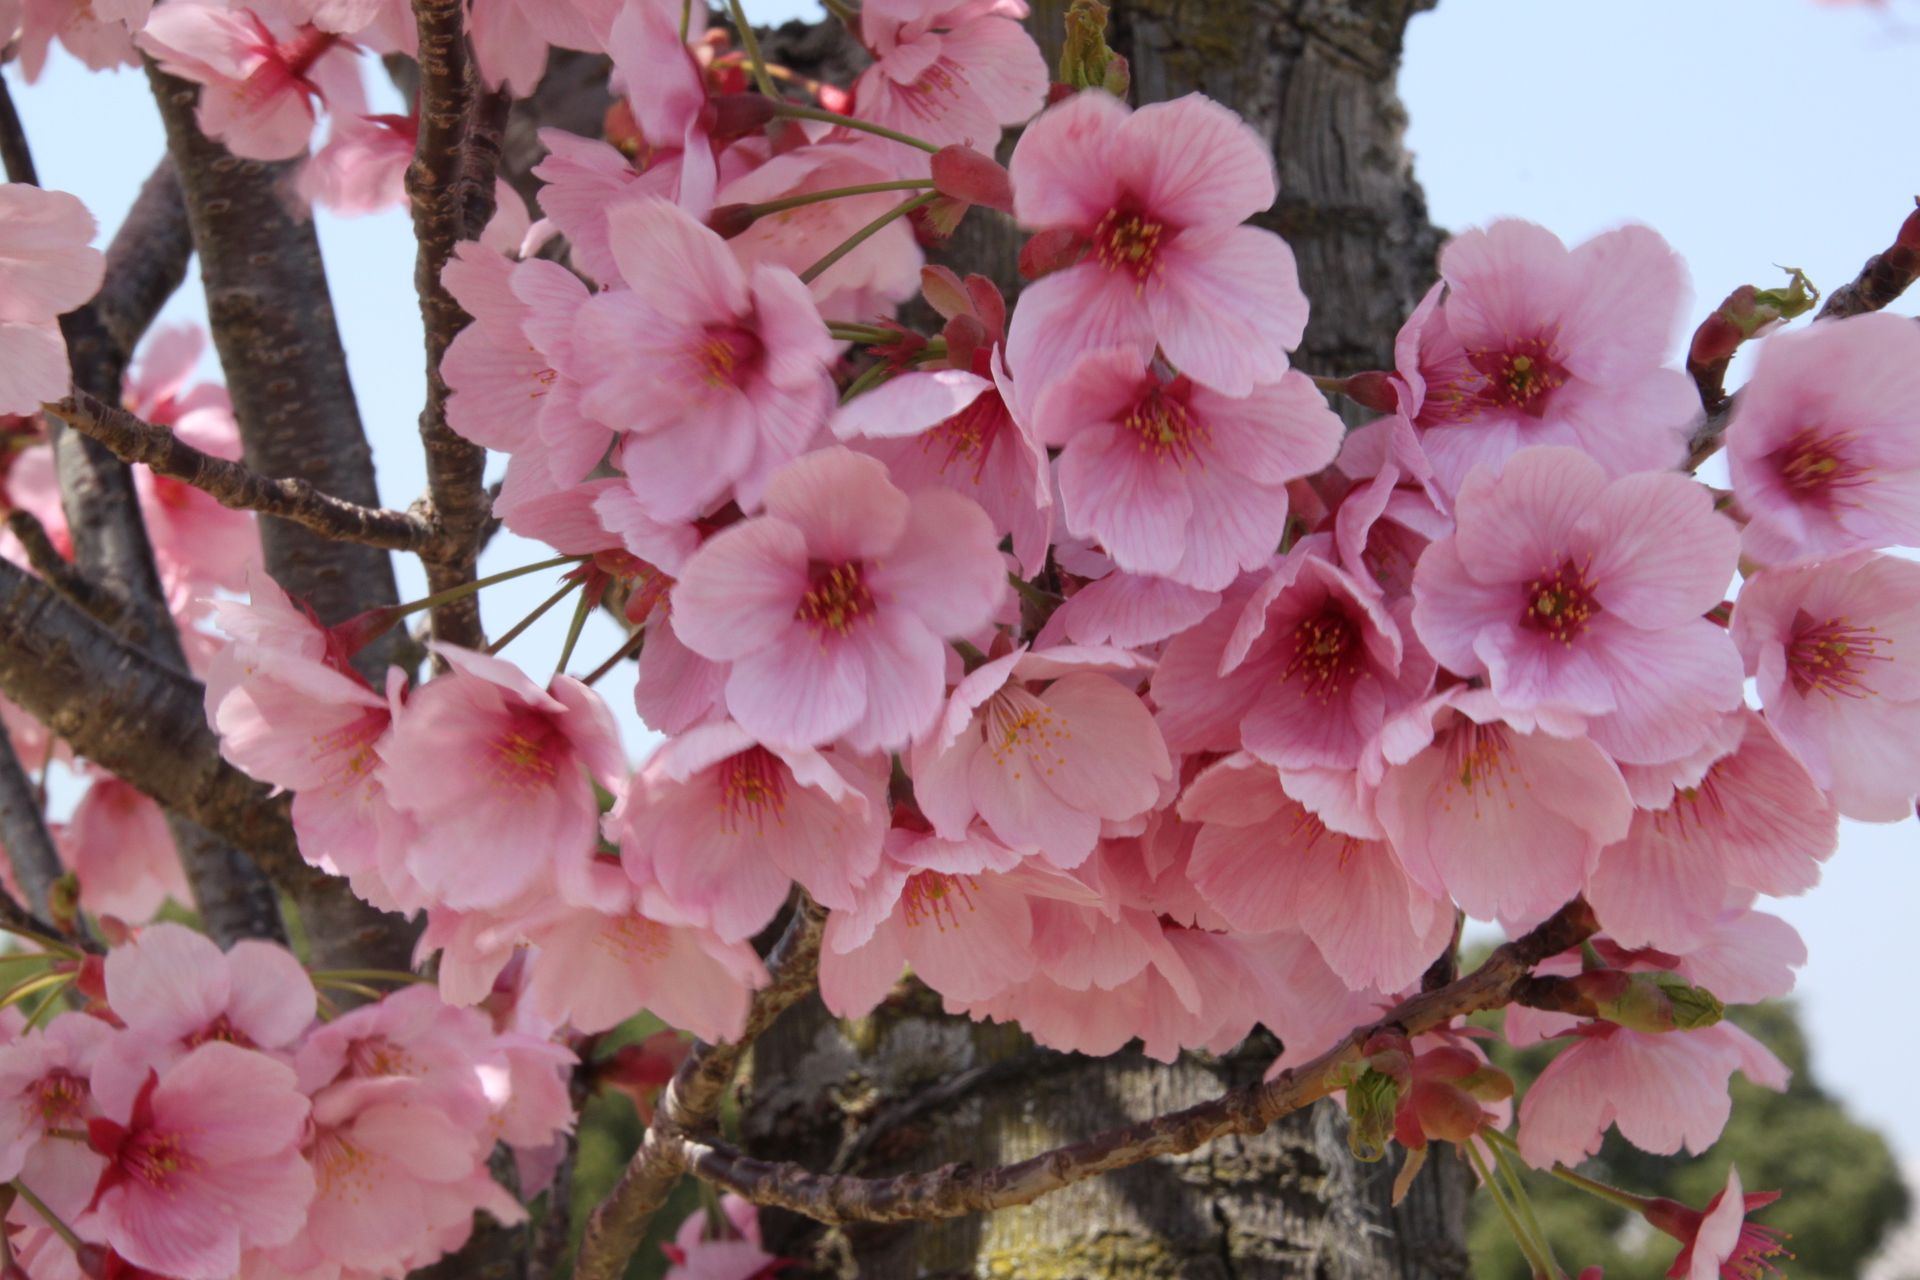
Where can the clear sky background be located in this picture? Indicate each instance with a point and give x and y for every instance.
(1749, 132)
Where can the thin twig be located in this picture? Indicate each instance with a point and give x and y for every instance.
(233, 485)
(1884, 278)
(14, 152)
(57, 571)
(23, 830)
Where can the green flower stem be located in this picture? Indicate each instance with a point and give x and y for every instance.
(468, 588)
(1525, 1204)
(1520, 1236)
(751, 43)
(367, 975)
(821, 197)
(861, 236)
(794, 111)
(565, 590)
(580, 613)
(631, 646)
(60, 1228)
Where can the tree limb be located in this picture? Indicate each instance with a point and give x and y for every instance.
(691, 1103)
(14, 152)
(235, 486)
(147, 260)
(1884, 277)
(450, 190)
(23, 830)
(54, 569)
(957, 1189)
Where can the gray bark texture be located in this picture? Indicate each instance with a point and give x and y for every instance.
(910, 1088)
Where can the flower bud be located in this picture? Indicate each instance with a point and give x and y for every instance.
(1374, 390)
(735, 115)
(729, 220)
(945, 291)
(1084, 57)
(962, 173)
(1655, 1002)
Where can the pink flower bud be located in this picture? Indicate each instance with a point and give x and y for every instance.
(729, 220)
(1375, 390)
(735, 115)
(965, 174)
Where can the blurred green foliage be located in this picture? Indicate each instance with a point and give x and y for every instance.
(1840, 1187)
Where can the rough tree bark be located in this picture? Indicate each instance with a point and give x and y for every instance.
(1316, 79)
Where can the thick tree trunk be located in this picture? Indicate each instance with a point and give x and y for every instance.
(1316, 79)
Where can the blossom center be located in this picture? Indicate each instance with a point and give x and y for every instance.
(1813, 466)
(1019, 725)
(1522, 377)
(1831, 656)
(1130, 242)
(837, 597)
(726, 355)
(751, 787)
(970, 433)
(1162, 425)
(378, 1056)
(635, 937)
(155, 1158)
(1479, 757)
(526, 753)
(1327, 652)
(222, 1030)
(1560, 604)
(936, 896)
(59, 1097)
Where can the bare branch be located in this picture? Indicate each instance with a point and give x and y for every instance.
(956, 1189)
(148, 258)
(691, 1104)
(57, 572)
(1884, 278)
(14, 152)
(233, 485)
(23, 830)
(450, 188)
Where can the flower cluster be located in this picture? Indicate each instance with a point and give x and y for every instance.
(196, 1120)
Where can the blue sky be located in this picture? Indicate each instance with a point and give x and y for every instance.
(1749, 132)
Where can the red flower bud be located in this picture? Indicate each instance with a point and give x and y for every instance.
(964, 174)
(735, 115)
(729, 220)
(1375, 390)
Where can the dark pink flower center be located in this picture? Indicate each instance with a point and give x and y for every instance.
(1478, 758)
(971, 432)
(753, 786)
(1521, 376)
(727, 355)
(1748, 1261)
(1128, 240)
(526, 753)
(1328, 653)
(936, 896)
(1560, 604)
(1814, 466)
(1831, 656)
(59, 1097)
(837, 597)
(1162, 424)
(222, 1030)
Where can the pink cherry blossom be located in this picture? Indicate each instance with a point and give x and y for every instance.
(1174, 479)
(1824, 444)
(1720, 1242)
(291, 711)
(732, 1252)
(725, 824)
(117, 844)
(832, 606)
(175, 990)
(586, 179)
(202, 1161)
(1043, 747)
(1158, 197)
(715, 375)
(1302, 670)
(1831, 646)
(87, 29)
(363, 167)
(411, 1034)
(1502, 812)
(952, 426)
(43, 1087)
(961, 913)
(256, 88)
(1393, 510)
(1562, 587)
(510, 37)
(948, 73)
(1755, 821)
(1128, 609)
(46, 268)
(1664, 1090)
(498, 776)
(1265, 863)
(1537, 344)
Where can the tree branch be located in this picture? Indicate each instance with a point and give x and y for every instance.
(691, 1103)
(14, 152)
(148, 258)
(23, 830)
(450, 189)
(54, 569)
(957, 1189)
(235, 486)
(1884, 278)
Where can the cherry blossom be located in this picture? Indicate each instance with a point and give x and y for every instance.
(257, 87)
(1155, 198)
(1826, 643)
(1562, 587)
(1720, 1241)
(1536, 344)
(948, 72)
(46, 268)
(117, 844)
(1174, 479)
(832, 606)
(1824, 444)
(44, 1086)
